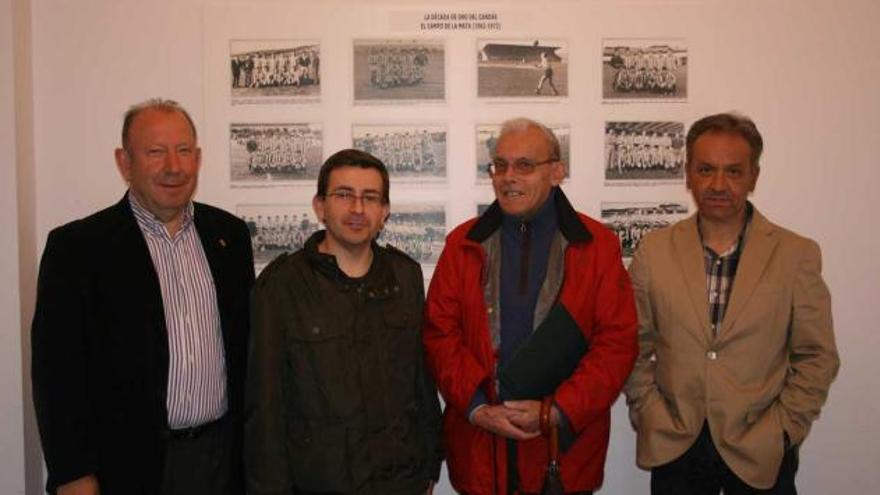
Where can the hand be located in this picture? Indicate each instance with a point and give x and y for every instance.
(497, 419)
(87, 485)
(528, 414)
(430, 489)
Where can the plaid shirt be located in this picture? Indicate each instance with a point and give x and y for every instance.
(720, 272)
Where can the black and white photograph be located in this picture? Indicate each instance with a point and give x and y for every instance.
(390, 70)
(277, 229)
(644, 69)
(419, 230)
(275, 71)
(631, 221)
(487, 137)
(415, 152)
(269, 153)
(638, 153)
(522, 68)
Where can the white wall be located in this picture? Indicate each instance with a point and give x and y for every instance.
(11, 407)
(806, 72)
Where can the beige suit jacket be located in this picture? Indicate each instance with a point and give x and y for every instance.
(766, 371)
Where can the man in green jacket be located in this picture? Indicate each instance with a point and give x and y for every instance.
(338, 398)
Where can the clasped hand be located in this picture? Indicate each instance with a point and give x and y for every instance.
(514, 419)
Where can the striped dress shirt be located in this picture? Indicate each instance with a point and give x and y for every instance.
(197, 367)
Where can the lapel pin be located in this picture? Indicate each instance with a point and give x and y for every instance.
(222, 242)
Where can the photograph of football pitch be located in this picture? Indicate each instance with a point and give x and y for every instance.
(522, 68)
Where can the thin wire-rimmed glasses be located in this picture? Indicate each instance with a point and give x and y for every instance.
(520, 166)
(369, 199)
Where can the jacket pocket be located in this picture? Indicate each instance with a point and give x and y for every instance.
(321, 374)
(657, 412)
(401, 368)
(754, 413)
(399, 450)
(401, 352)
(317, 457)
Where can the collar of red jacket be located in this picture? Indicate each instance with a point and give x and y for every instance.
(566, 217)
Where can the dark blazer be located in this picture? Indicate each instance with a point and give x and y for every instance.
(100, 345)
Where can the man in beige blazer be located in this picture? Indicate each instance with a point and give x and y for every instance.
(736, 343)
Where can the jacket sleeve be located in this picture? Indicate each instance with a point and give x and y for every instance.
(265, 448)
(456, 369)
(60, 356)
(429, 405)
(240, 335)
(812, 353)
(594, 386)
(641, 383)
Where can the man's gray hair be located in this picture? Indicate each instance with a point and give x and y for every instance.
(160, 104)
(521, 124)
(730, 123)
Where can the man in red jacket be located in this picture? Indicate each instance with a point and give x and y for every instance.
(529, 259)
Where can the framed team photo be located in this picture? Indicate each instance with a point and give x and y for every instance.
(644, 153)
(416, 229)
(522, 68)
(487, 137)
(273, 153)
(277, 229)
(274, 71)
(399, 70)
(631, 221)
(414, 152)
(644, 69)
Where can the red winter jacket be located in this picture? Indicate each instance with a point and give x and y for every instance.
(461, 316)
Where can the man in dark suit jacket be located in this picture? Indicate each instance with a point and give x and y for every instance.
(140, 330)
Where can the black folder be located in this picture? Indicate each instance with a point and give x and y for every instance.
(550, 356)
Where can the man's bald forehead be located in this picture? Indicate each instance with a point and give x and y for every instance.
(158, 105)
(525, 128)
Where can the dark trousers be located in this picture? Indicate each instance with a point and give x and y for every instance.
(199, 461)
(702, 471)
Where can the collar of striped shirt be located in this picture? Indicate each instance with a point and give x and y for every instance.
(149, 222)
(196, 388)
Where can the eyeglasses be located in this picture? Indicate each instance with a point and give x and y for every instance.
(368, 199)
(520, 166)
